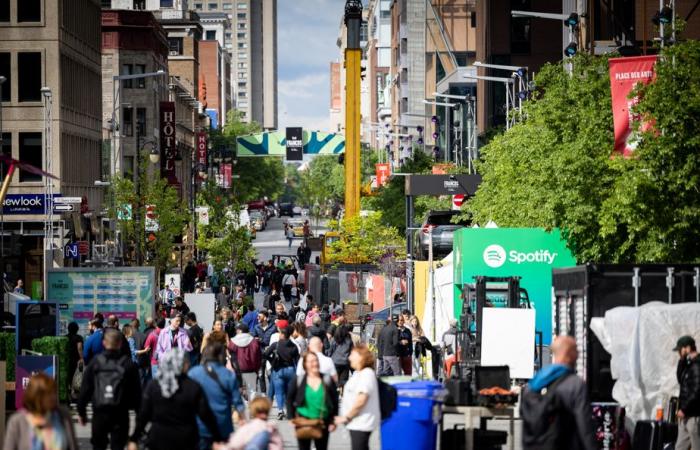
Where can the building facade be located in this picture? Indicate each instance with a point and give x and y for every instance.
(215, 64)
(51, 112)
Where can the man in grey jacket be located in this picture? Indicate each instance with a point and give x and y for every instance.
(555, 408)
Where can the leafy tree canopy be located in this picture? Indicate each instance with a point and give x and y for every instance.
(365, 240)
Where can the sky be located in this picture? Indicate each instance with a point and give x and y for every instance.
(307, 31)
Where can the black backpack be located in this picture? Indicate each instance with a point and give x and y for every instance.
(544, 421)
(387, 398)
(109, 381)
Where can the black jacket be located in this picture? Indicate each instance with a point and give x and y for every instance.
(131, 394)
(688, 374)
(296, 397)
(174, 420)
(282, 354)
(405, 350)
(388, 341)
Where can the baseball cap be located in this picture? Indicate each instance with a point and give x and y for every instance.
(282, 324)
(684, 341)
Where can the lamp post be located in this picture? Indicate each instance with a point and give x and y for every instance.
(48, 189)
(154, 158)
(447, 121)
(506, 83)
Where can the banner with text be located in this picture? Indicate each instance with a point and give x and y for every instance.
(295, 144)
(383, 171)
(625, 74)
(168, 146)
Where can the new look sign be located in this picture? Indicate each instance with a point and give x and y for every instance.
(25, 204)
(529, 253)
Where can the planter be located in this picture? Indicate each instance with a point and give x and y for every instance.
(352, 311)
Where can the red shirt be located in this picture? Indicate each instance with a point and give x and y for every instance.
(150, 343)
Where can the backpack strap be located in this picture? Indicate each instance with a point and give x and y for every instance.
(214, 376)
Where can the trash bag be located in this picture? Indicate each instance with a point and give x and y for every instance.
(77, 380)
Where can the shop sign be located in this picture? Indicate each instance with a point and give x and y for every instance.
(168, 146)
(25, 203)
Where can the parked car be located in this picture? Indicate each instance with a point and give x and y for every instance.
(440, 224)
(258, 220)
(372, 323)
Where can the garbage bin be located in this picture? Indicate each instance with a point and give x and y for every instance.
(414, 424)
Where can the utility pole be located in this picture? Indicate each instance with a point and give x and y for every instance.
(353, 56)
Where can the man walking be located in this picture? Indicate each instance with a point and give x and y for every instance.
(688, 374)
(196, 335)
(93, 344)
(245, 350)
(143, 361)
(388, 346)
(111, 383)
(405, 348)
(554, 406)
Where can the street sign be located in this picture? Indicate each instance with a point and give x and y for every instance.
(67, 200)
(124, 212)
(71, 251)
(151, 218)
(457, 201)
(63, 208)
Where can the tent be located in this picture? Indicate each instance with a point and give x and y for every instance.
(444, 300)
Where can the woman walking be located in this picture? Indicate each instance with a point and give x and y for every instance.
(312, 403)
(283, 356)
(171, 404)
(361, 412)
(42, 423)
(340, 353)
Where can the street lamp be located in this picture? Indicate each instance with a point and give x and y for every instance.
(570, 21)
(506, 83)
(48, 188)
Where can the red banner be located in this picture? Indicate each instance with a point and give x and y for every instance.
(168, 147)
(226, 174)
(625, 74)
(202, 148)
(383, 171)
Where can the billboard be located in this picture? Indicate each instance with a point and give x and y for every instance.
(529, 253)
(295, 144)
(28, 365)
(34, 320)
(126, 292)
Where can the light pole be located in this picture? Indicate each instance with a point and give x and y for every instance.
(447, 121)
(154, 158)
(48, 189)
(506, 83)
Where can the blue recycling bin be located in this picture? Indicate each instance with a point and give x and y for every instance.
(414, 424)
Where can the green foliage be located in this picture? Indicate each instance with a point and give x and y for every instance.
(555, 169)
(322, 181)
(58, 346)
(365, 240)
(7, 354)
(171, 214)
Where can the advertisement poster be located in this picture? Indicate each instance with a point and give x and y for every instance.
(625, 74)
(126, 292)
(295, 144)
(529, 253)
(28, 365)
(383, 170)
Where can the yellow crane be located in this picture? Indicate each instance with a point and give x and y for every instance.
(353, 74)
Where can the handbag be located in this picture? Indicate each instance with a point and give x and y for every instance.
(307, 429)
(77, 380)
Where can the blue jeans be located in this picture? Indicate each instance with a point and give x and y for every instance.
(154, 370)
(280, 380)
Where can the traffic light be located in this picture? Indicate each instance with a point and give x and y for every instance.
(571, 49)
(665, 16)
(571, 21)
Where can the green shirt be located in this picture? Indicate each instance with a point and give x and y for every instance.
(314, 406)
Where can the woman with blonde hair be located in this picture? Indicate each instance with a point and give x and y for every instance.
(421, 346)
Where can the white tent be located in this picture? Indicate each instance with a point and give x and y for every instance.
(444, 301)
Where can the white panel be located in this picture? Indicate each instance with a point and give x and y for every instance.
(508, 338)
(203, 305)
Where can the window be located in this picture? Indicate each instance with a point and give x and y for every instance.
(29, 72)
(384, 14)
(241, 35)
(4, 10)
(242, 55)
(242, 6)
(242, 74)
(30, 153)
(139, 5)
(211, 35)
(141, 121)
(127, 69)
(5, 71)
(520, 28)
(243, 94)
(213, 6)
(228, 36)
(106, 4)
(128, 122)
(140, 69)
(242, 84)
(227, 6)
(242, 65)
(175, 45)
(29, 11)
(197, 6)
(241, 16)
(6, 149)
(242, 26)
(242, 45)
(166, 3)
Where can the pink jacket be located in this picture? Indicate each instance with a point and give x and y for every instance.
(310, 318)
(252, 428)
(165, 341)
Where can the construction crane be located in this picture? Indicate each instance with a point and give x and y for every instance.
(353, 73)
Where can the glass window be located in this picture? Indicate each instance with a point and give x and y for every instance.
(213, 6)
(5, 71)
(127, 69)
(241, 16)
(242, 45)
(29, 11)
(6, 149)
(139, 4)
(166, 3)
(210, 35)
(227, 6)
(242, 6)
(29, 72)
(384, 14)
(175, 45)
(140, 69)
(141, 121)
(242, 56)
(4, 10)
(30, 151)
(197, 6)
(241, 35)
(242, 26)
(127, 121)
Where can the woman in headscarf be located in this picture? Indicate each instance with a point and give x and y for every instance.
(171, 404)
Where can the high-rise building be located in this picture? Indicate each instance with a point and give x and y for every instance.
(252, 44)
(51, 119)
(378, 65)
(215, 67)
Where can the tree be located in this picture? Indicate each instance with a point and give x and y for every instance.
(171, 216)
(365, 240)
(555, 169)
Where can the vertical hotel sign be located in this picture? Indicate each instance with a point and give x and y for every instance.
(202, 149)
(625, 75)
(168, 148)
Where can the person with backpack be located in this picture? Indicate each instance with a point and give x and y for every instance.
(312, 403)
(283, 356)
(112, 384)
(172, 402)
(554, 405)
(361, 411)
(93, 344)
(340, 353)
(247, 358)
(221, 389)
